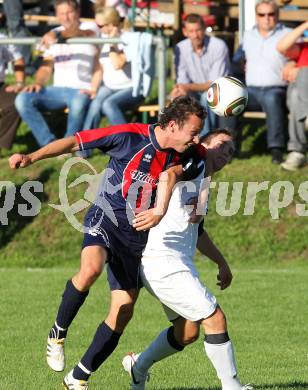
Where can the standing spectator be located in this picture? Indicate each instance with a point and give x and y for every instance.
(199, 60)
(73, 67)
(116, 93)
(9, 118)
(266, 88)
(296, 73)
(14, 14)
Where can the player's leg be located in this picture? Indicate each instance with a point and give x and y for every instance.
(93, 259)
(219, 349)
(163, 346)
(106, 337)
(180, 294)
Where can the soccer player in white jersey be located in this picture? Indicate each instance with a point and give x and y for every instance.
(168, 272)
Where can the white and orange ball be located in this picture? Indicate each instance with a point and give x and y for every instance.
(227, 96)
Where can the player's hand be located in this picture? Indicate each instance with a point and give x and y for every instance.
(147, 219)
(18, 160)
(224, 276)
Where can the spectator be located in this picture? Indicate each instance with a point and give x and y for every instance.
(14, 13)
(199, 60)
(73, 67)
(296, 73)
(9, 116)
(116, 95)
(266, 88)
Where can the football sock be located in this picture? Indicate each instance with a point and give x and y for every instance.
(103, 344)
(163, 346)
(56, 332)
(219, 350)
(72, 300)
(81, 373)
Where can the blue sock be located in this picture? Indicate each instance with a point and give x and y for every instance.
(72, 300)
(104, 343)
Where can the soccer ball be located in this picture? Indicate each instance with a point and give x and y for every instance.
(227, 96)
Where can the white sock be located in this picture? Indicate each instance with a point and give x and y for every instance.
(223, 359)
(159, 349)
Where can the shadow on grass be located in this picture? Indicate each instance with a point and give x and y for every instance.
(11, 212)
(291, 385)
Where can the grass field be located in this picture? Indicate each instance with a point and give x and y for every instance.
(266, 309)
(267, 304)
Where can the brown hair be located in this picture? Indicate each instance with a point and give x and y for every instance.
(180, 109)
(194, 18)
(213, 133)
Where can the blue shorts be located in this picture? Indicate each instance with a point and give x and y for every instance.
(124, 246)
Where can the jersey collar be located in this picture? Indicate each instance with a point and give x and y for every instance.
(153, 138)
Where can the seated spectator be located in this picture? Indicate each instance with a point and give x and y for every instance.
(116, 94)
(72, 67)
(266, 88)
(199, 60)
(296, 73)
(9, 118)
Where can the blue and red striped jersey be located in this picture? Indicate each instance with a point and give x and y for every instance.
(136, 161)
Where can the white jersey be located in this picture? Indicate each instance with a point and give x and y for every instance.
(167, 269)
(73, 63)
(175, 236)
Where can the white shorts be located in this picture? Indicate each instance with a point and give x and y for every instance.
(181, 292)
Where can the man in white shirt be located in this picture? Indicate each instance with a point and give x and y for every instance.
(72, 67)
(168, 272)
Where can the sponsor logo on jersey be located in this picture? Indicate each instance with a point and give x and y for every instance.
(142, 177)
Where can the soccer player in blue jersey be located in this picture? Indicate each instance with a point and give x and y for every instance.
(139, 154)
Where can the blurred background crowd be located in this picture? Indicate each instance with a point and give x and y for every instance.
(104, 84)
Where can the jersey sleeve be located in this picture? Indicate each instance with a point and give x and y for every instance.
(113, 140)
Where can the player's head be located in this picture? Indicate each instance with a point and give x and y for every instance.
(68, 12)
(267, 14)
(194, 29)
(220, 148)
(182, 121)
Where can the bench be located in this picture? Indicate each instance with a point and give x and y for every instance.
(153, 110)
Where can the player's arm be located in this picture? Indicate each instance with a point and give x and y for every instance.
(56, 148)
(167, 180)
(207, 247)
